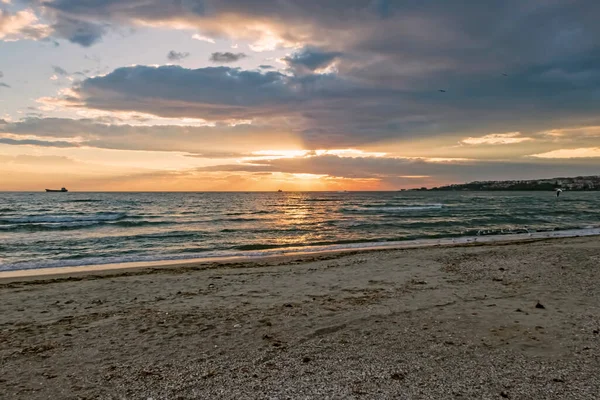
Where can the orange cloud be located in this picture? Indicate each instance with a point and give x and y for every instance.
(584, 152)
(497, 138)
(22, 25)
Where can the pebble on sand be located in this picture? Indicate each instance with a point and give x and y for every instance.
(397, 376)
(539, 305)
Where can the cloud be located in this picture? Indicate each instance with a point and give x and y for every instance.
(226, 57)
(397, 170)
(264, 66)
(33, 142)
(389, 44)
(380, 65)
(219, 155)
(204, 141)
(23, 24)
(497, 138)
(331, 108)
(484, 31)
(59, 71)
(177, 56)
(212, 93)
(4, 85)
(587, 152)
(402, 172)
(42, 160)
(574, 132)
(311, 59)
(202, 38)
(76, 30)
(1, 74)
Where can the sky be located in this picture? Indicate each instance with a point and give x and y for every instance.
(244, 95)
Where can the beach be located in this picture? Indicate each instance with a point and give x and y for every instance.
(475, 321)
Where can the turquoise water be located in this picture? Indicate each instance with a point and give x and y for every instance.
(39, 230)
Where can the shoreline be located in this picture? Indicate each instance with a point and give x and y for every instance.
(518, 320)
(270, 255)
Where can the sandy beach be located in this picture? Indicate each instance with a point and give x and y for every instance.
(493, 321)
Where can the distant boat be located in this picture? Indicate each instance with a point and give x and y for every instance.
(280, 191)
(62, 190)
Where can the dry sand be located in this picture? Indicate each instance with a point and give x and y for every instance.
(429, 323)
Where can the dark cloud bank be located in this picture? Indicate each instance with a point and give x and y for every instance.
(505, 66)
(368, 71)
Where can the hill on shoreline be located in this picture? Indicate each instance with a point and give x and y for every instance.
(579, 183)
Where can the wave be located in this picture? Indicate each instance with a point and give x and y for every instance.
(40, 227)
(85, 201)
(164, 235)
(323, 243)
(259, 212)
(138, 223)
(410, 208)
(259, 247)
(7, 209)
(74, 225)
(238, 219)
(102, 216)
(394, 208)
(323, 200)
(519, 230)
(256, 250)
(265, 230)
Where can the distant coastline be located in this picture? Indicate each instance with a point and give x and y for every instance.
(579, 183)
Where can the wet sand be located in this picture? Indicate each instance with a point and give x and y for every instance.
(443, 322)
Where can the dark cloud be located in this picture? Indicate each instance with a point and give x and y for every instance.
(235, 142)
(266, 67)
(395, 169)
(331, 109)
(4, 85)
(59, 71)
(79, 31)
(310, 59)
(1, 74)
(312, 23)
(42, 143)
(226, 57)
(177, 56)
(216, 93)
(226, 141)
(391, 58)
(387, 41)
(219, 141)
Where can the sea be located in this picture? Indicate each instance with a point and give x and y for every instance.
(42, 230)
